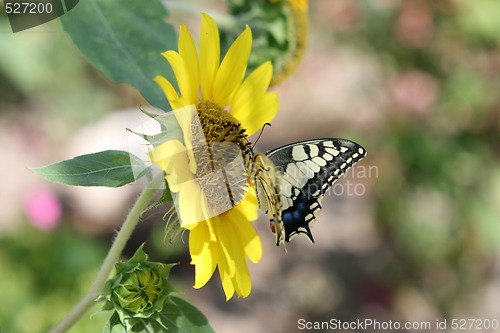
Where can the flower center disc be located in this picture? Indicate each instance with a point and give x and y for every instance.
(220, 126)
(220, 167)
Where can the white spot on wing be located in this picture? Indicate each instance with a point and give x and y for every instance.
(327, 156)
(313, 166)
(285, 188)
(295, 173)
(344, 149)
(298, 153)
(328, 144)
(288, 178)
(332, 151)
(305, 170)
(319, 161)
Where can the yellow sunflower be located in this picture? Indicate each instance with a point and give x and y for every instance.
(227, 108)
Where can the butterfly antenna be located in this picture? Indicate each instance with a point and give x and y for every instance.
(261, 131)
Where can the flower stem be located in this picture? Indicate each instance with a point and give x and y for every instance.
(113, 255)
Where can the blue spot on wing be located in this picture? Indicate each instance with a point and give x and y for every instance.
(294, 217)
(301, 206)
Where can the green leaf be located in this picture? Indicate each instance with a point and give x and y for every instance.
(184, 316)
(124, 40)
(111, 168)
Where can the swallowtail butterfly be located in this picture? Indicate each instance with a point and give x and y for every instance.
(291, 181)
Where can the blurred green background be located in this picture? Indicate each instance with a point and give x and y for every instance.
(411, 234)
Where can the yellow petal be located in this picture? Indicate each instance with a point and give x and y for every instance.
(241, 279)
(232, 69)
(251, 91)
(165, 151)
(204, 269)
(242, 282)
(250, 240)
(245, 234)
(249, 206)
(227, 281)
(203, 257)
(209, 55)
(185, 117)
(192, 205)
(170, 93)
(171, 157)
(224, 244)
(182, 74)
(199, 240)
(187, 51)
(265, 111)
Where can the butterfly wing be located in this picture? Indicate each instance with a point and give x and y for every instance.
(307, 171)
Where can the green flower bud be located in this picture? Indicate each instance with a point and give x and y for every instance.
(138, 290)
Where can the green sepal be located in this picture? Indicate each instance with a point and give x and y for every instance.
(166, 196)
(155, 139)
(110, 168)
(139, 255)
(173, 228)
(169, 129)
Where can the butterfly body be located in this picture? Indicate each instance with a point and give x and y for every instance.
(265, 178)
(292, 180)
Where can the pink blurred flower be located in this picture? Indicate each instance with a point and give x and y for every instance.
(415, 91)
(43, 209)
(415, 23)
